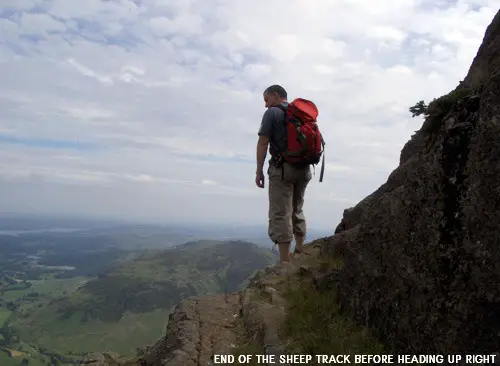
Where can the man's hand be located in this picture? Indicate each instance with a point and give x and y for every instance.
(259, 179)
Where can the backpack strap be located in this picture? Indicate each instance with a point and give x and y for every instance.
(323, 162)
(283, 106)
(278, 159)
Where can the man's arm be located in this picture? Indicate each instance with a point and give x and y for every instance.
(262, 145)
(265, 131)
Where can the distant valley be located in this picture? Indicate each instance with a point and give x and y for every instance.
(68, 289)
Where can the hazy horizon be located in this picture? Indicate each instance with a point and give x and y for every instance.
(80, 221)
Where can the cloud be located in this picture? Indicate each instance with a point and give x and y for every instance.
(54, 144)
(185, 24)
(208, 182)
(151, 109)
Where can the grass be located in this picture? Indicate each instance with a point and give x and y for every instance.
(13, 295)
(326, 264)
(23, 351)
(69, 335)
(262, 295)
(44, 326)
(248, 348)
(53, 287)
(314, 324)
(442, 105)
(58, 287)
(4, 314)
(6, 360)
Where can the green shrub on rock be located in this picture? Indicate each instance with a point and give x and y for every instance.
(441, 106)
(418, 109)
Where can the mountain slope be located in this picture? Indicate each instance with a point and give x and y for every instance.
(129, 304)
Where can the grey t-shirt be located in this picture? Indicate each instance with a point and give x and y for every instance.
(273, 126)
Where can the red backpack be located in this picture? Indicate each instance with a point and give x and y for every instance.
(305, 144)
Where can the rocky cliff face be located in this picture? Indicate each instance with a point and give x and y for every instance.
(201, 327)
(422, 264)
(421, 254)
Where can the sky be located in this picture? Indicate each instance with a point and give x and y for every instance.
(149, 109)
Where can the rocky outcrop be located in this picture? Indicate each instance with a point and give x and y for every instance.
(487, 61)
(201, 327)
(422, 254)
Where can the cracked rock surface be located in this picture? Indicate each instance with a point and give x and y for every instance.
(200, 327)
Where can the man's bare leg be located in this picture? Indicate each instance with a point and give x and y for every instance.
(298, 218)
(299, 243)
(284, 249)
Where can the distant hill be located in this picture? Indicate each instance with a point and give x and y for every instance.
(128, 305)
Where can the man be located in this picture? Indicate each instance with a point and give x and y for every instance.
(287, 183)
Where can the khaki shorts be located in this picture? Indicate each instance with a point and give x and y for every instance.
(286, 198)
